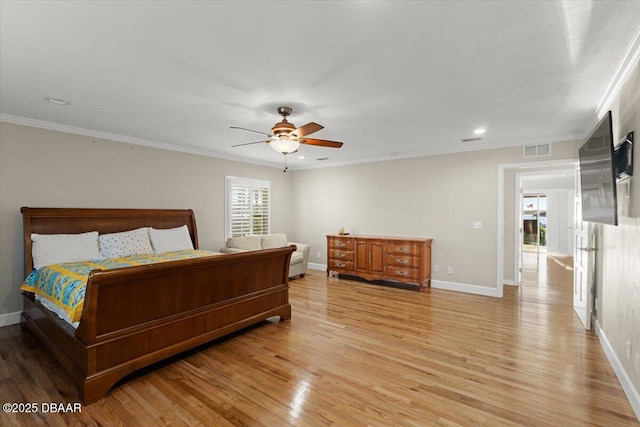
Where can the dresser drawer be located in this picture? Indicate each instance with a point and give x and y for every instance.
(340, 265)
(340, 255)
(340, 243)
(403, 260)
(399, 273)
(403, 248)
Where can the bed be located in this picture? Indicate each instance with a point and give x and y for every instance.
(133, 317)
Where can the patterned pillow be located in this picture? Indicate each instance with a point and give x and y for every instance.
(127, 243)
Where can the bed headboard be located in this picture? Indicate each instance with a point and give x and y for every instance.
(79, 220)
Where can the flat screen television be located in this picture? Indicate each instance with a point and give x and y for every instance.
(598, 175)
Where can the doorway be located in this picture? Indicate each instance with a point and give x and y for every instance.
(534, 223)
(545, 212)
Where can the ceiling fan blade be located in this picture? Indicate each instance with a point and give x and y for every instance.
(321, 142)
(307, 129)
(248, 143)
(251, 130)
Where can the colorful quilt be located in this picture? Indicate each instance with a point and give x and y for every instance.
(65, 284)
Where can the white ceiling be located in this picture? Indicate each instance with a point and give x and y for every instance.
(389, 79)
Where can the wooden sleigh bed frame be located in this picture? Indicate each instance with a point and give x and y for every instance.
(133, 317)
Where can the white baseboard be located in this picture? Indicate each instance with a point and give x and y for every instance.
(621, 373)
(314, 266)
(439, 284)
(10, 318)
(463, 287)
(510, 283)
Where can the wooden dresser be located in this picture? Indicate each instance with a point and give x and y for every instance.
(399, 259)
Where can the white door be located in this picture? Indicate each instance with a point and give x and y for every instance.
(582, 268)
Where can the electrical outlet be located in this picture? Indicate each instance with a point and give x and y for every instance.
(319, 254)
(450, 269)
(436, 268)
(628, 350)
(637, 363)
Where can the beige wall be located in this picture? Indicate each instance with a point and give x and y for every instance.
(43, 168)
(435, 196)
(618, 287)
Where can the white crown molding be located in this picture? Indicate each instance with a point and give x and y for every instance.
(41, 124)
(435, 152)
(629, 60)
(183, 149)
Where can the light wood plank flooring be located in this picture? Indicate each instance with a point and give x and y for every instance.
(359, 354)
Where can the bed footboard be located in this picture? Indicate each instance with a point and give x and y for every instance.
(133, 317)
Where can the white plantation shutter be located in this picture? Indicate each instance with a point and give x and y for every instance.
(248, 206)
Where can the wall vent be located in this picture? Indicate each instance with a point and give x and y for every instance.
(323, 158)
(471, 139)
(541, 150)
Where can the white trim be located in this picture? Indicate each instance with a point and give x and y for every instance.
(319, 165)
(500, 233)
(630, 57)
(314, 266)
(621, 373)
(511, 283)
(535, 191)
(518, 232)
(439, 284)
(466, 288)
(41, 124)
(10, 318)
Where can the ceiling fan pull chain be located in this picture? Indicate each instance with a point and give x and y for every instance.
(285, 163)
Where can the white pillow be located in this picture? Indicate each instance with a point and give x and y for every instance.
(50, 249)
(171, 239)
(247, 243)
(126, 243)
(277, 240)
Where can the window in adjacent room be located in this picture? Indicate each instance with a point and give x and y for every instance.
(247, 206)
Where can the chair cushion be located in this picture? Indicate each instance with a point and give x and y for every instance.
(271, 241)
(297, 257)
(247, 243)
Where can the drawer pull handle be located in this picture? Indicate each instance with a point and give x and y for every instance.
(341, 264)
(340, 254)
(402, 261)
(402, 272)
(402, 249)
(340, 244)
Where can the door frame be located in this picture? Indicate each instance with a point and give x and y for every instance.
(521, 166)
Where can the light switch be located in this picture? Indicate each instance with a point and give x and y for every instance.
(477, 225)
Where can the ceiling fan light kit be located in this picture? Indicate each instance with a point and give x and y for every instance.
(285, 138)
(284, 145)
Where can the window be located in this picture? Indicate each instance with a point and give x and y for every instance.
(247, 206)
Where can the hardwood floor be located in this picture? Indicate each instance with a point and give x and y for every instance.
(359, 354)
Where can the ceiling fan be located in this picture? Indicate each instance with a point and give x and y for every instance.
(285, 138)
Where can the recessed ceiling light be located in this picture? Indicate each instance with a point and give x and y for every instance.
(479, 131)
(301, 157)
(57, 101)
